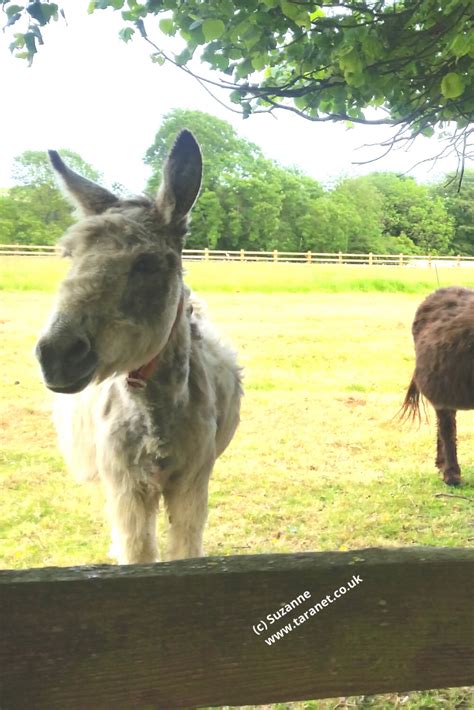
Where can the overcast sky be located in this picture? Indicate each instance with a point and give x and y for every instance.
(90, 92)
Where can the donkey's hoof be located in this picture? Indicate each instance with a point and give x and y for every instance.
(452, 479)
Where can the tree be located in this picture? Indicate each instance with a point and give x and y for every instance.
(324, 60)
(333, 220)
(414, 218)
(364, 203)
(224, 152)
(246, 200)
(298, 219)
(460, 206)
(35, 211)
(19, 226)
(33, 168)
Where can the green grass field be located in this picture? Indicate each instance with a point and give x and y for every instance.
(43, 273)
(318, 462)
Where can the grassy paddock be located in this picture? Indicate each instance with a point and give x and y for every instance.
(43, 274)
(317, 464)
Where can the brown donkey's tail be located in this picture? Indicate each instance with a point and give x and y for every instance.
(410, 409)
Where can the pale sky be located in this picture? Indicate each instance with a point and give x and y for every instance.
(92, 93)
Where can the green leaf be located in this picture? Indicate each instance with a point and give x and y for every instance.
(259, 61)
(243, 69)
(301, 102)
(350, 62)
(460, 45)
(126, 34)
(158, 59)
(13, 18)
(246, 109)
(50, 10)
(30, 42)
(219, 62)
(167, 26)
(19, 43)
(235, 97)
(212, 29)
(372, 47)
(251, 37)
(354, 78)
(269, 3)
(35, 10)
(13, 10)
(183, 56)
(452, 85)
(296, 13)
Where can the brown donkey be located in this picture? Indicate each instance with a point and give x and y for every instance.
(443, 331)
(147, 396)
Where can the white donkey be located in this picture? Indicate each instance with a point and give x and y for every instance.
(148, 397)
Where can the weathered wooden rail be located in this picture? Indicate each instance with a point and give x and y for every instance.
(307, 257)
(180, 635)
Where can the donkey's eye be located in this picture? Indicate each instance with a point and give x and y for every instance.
(146, 264)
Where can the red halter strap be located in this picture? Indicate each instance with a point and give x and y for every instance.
(139, 377)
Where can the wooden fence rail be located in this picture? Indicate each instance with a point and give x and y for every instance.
(191, 633)
(275, 256)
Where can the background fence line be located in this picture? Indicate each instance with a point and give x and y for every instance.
(307, 257)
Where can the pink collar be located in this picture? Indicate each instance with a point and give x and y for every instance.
(139, 377)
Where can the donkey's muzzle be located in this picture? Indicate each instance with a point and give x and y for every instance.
(67, 360)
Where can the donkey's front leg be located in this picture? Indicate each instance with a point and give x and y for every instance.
(186, 503)
(132, 512)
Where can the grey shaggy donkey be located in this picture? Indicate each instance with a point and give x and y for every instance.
(147, 396)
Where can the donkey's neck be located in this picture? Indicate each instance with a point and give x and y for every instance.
(168, 384)
(139, 377)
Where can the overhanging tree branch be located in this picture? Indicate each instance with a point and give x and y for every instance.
(324, 61)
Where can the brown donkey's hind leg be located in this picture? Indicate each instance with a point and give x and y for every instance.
(439, 448)
(446, 458)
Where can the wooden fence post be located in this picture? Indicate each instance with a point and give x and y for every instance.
(275, 255)
(400, 260)
(206, 254)
(242, 255)
(458, 260)
(429, 261)
(340, 257)
(371, 259)
(308, 257)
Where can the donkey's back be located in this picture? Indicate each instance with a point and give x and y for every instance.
(443, 334)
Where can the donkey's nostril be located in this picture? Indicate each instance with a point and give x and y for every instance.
(77, 350)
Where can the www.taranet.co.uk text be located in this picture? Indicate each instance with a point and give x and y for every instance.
(285, 609)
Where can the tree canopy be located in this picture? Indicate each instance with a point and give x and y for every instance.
(325, 60)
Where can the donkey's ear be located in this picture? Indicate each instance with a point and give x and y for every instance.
(181, 180)
(89, 197)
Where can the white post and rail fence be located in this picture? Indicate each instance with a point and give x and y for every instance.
(275, 256)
